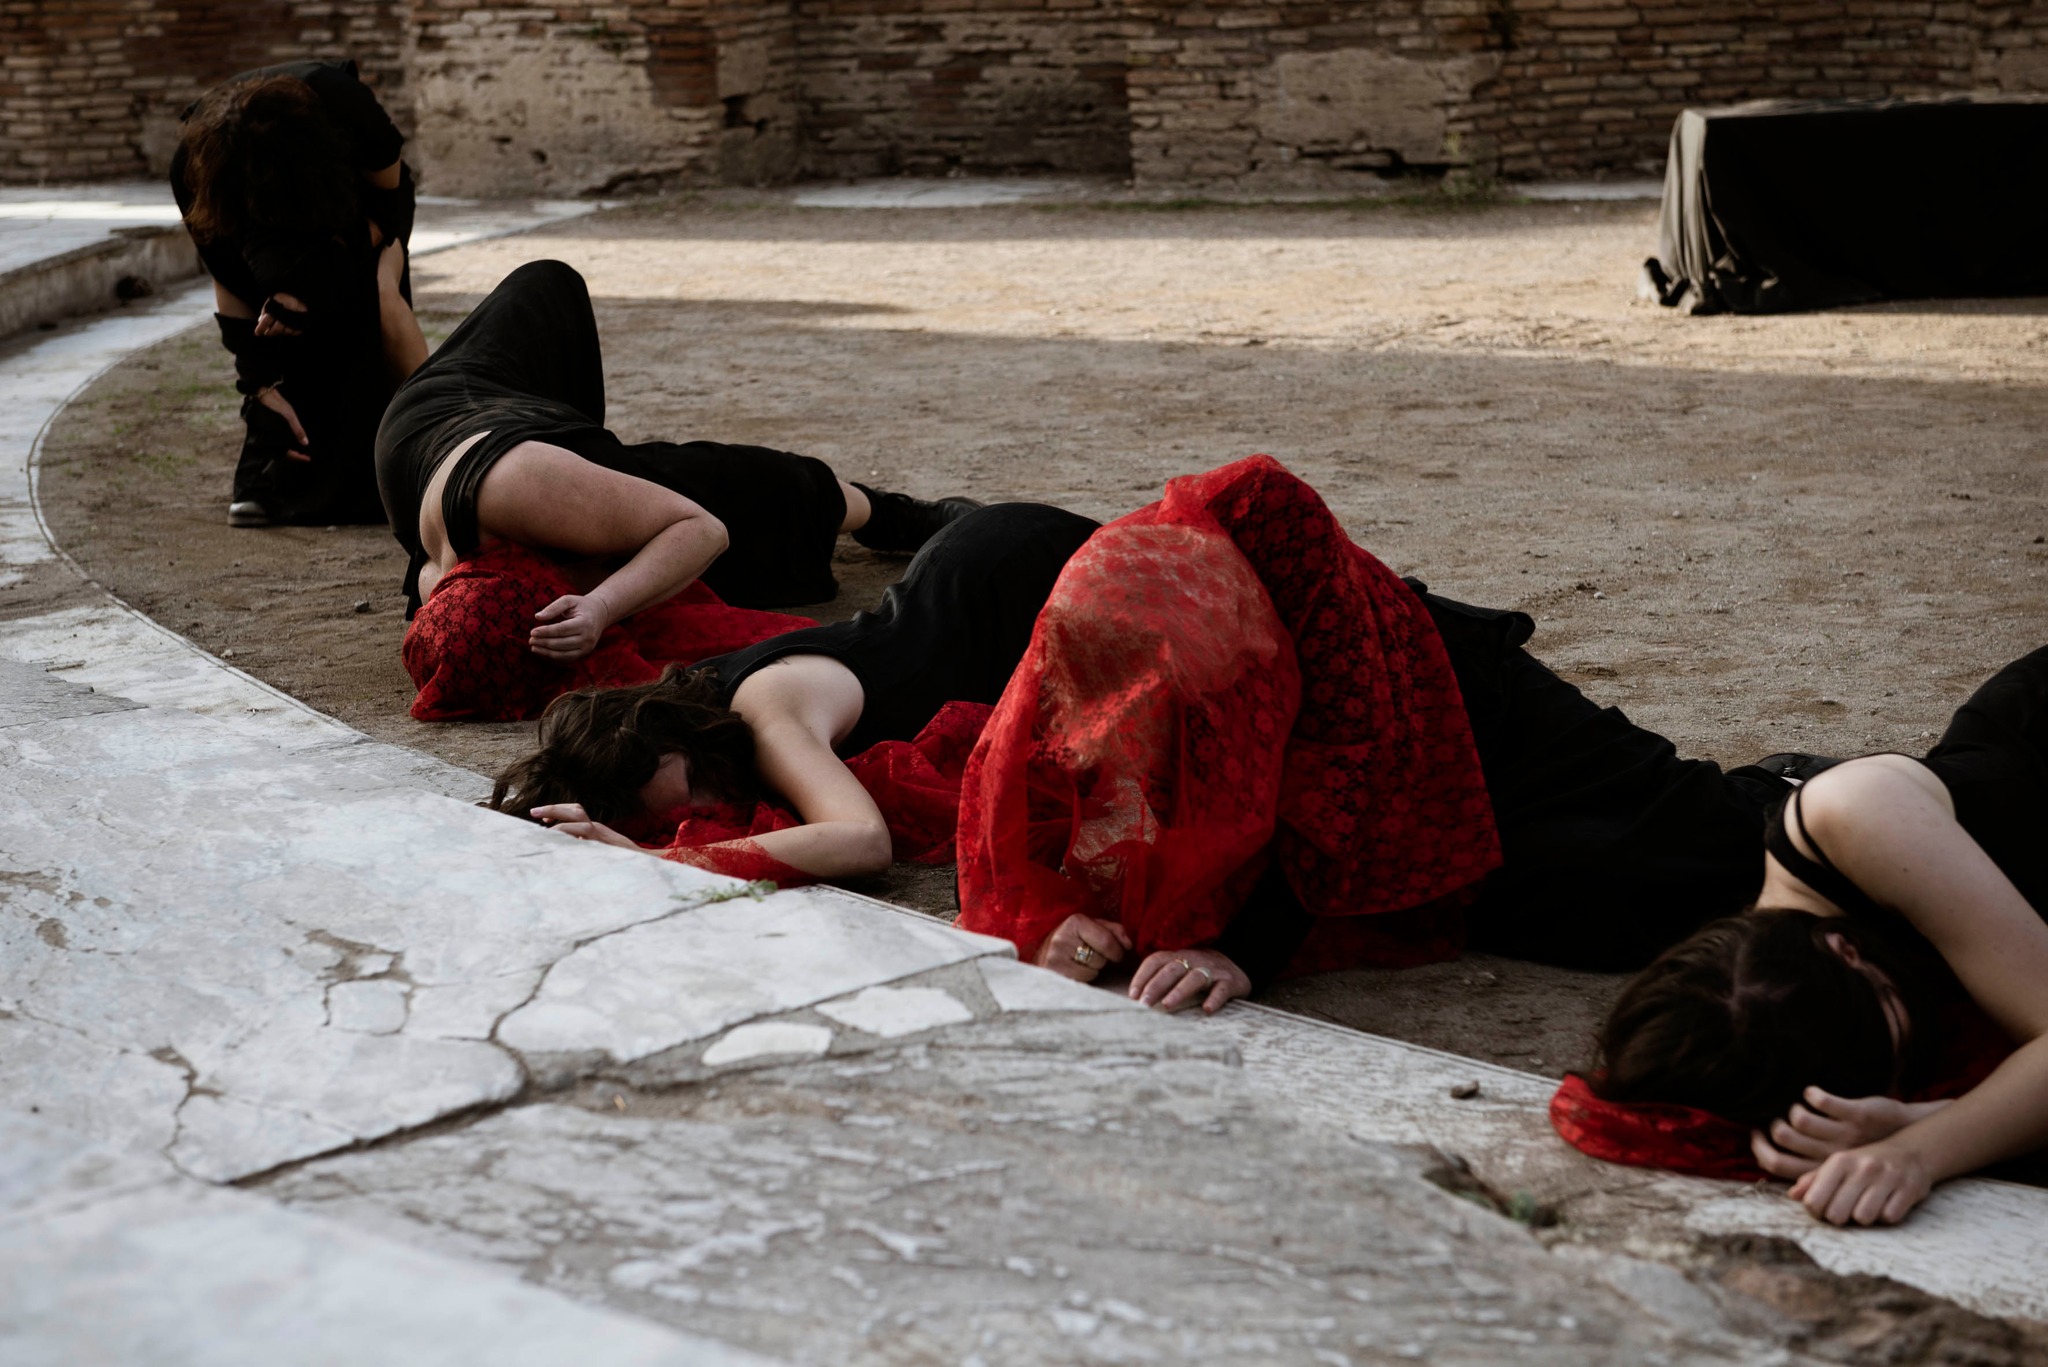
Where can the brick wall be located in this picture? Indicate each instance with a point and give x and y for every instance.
(928, 87)
(578, 98)
(1594, 84)
(91, 89)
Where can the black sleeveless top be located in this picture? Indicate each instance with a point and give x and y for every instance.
(1993, 759)
(953, 630)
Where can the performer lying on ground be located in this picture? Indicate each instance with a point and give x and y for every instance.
(1233, 739)
(1898, 895)
(290, 183)
(501, 437)
(779, 716)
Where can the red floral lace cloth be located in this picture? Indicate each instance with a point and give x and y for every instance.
(1683, 1139)
(466, 646)
(916, 783)
(1219, 678)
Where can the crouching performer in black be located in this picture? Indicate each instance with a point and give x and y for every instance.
(290, 182)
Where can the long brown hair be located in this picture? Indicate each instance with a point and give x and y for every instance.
(600, 746)
(263, 154)
(1744, 1016)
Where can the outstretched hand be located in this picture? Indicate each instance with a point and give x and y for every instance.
(570, 819)
(1175, 979)
(570, 628)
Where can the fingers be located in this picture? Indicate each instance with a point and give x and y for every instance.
(1811, 1136)
(299, 456)
(1825, 1186)
(1081, 947)
(1167, 971)
(1104, 937)
(1221, 992)
(561, 607)
(559, 811)
(1776, 1161)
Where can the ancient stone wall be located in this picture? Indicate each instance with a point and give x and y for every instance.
(91, 89)
(934, 86)
(565, 99)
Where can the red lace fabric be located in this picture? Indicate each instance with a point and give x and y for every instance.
(466, 646)
(1683, 1139)
(916, 783)
(1217, 676)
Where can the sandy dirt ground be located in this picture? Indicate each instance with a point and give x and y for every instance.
(1815, 532)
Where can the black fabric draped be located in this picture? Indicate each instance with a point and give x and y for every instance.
(952, 630)
(526, 365)
(1804, 204)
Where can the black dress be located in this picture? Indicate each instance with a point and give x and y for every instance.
(1993, 759)
(334, 374)
(952, 630)
(526, 366)
(1613, 848)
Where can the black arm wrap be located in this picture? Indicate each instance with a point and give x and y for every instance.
(257, 364)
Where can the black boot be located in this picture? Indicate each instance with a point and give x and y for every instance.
(900, 524)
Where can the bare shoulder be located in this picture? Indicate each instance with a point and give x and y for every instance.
(1875, 789)
(814, 690)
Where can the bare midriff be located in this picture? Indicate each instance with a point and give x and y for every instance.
(441, 556)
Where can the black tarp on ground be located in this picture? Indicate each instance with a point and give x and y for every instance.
(1803, 204)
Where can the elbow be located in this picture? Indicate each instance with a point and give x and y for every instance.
(872, 852)
(716, 537)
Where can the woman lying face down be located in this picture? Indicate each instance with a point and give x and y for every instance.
(1225, 744)
(1898, 895)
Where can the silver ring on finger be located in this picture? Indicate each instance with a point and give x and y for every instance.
(1207, 976)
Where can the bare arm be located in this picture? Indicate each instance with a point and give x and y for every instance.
(551, 498)
(1896, 837)
(797, 707)
(385, 178)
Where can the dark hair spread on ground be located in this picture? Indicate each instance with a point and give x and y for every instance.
(599, 746)
(1744, 1016)
(263, 155)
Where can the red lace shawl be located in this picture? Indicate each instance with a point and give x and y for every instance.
(466, 646)
(916, 783)
(1683, 1139)
(1219, 675)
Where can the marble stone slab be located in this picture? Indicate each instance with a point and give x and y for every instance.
(670, 983)
(31, 694)
(1027, 1192)
(1979, 1243)
(109, 1260)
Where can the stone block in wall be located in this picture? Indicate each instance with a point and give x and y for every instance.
(1353, 102)
(511, 108)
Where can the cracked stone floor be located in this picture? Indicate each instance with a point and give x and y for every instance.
(304, 1057)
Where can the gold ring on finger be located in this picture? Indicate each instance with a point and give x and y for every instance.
(1085, 955)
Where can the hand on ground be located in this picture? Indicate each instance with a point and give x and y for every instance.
(267, 324)
(570, 819)
(273, 399)
(1828, 1124)
(1083, 946)
(1873, 1185)
(570, 628)
(1174, 979)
